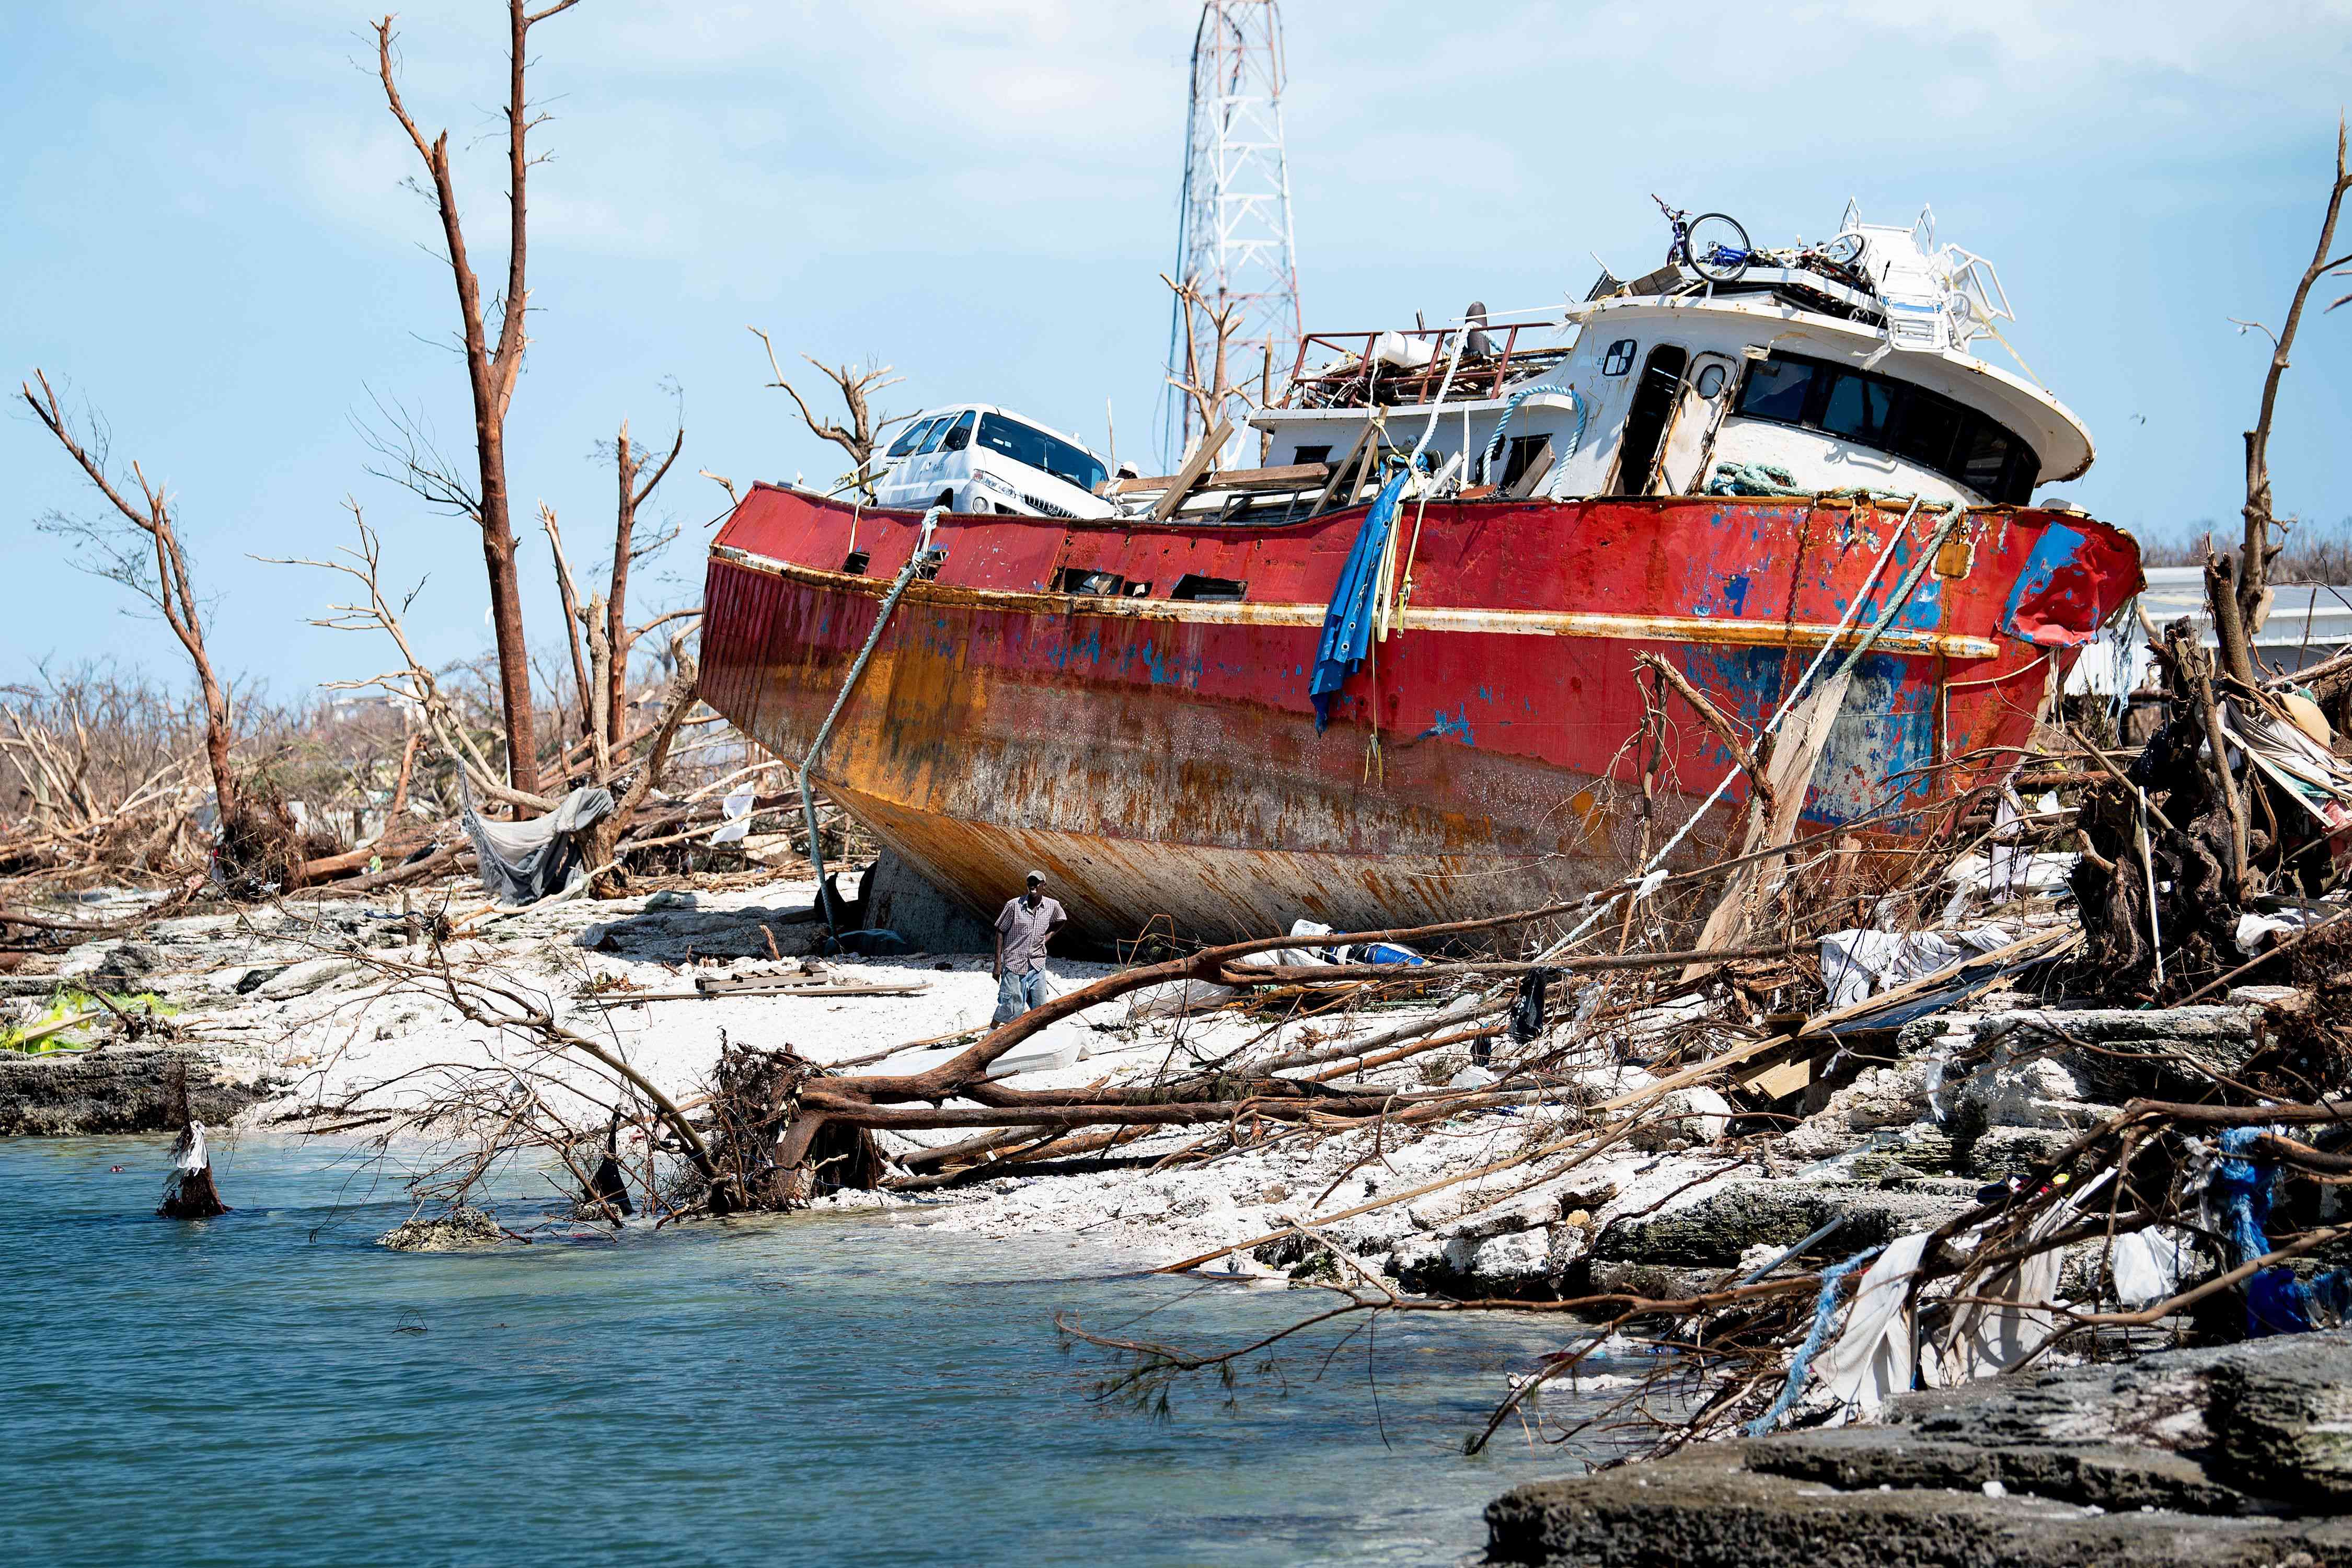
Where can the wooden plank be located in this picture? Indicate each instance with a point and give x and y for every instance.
(756, 993)
(1188, 476)
(1341, 469)
(1296, 477)
(1537, 466)
(787, 984)
(1778, 1074)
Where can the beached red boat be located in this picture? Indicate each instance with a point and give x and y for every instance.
(1125, 701)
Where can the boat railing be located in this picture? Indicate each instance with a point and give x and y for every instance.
(1354, 370)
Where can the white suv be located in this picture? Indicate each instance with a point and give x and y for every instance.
(975, 459)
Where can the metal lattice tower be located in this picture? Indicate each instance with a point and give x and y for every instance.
(1233, 236)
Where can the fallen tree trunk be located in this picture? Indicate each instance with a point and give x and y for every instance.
(882, 1101)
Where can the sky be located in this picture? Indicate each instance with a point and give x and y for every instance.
(207, 239)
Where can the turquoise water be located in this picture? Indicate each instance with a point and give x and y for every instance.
(270, 1388)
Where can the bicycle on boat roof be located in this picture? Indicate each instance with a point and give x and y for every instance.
(1711, 245)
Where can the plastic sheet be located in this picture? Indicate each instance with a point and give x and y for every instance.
(525, 861)
(2149, 1264)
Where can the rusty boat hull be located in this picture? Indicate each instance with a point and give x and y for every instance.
(1159, 756)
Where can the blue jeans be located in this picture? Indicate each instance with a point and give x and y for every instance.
(1016, 993)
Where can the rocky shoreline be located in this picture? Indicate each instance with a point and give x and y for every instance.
(125, 1088)
(2232, 1457)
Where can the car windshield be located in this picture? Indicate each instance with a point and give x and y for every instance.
(939, 428)
(1038, 450)
(905, 443)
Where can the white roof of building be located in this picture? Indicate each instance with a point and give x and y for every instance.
(2309, 622)
(2304, 616)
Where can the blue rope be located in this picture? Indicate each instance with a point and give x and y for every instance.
(1801, 1364)
(1503, 426)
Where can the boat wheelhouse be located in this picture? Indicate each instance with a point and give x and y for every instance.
(1845, 366)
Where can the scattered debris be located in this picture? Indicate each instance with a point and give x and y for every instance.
(461, 1229)
(188, 1191)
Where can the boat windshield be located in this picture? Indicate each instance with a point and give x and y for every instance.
(1038, 450)
(1895, 417)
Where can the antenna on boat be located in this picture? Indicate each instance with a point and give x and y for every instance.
(1234, 242)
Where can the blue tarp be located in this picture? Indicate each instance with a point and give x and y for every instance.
(1348, 624)
(2277, 1303)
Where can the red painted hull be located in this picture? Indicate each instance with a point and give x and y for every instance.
(1159, 757)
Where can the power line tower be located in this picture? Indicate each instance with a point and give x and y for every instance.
(1233, 237)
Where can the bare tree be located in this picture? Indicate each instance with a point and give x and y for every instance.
(1209, 395)
(602, 665)
(491, 368)
(629, 462)
(2240, 606)
(858, 385)
(413, 685)
(151, 563)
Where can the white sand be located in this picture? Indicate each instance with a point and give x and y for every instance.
(349, 1038)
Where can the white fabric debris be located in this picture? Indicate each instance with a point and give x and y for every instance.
(1986, 1337)
(2253, 928)
(1292, 957)
(1872, 1358)
(737, 809)
(1178, 996)
(2149, 1265)
(1858, 964)
(2022, 876)
(190, 1150)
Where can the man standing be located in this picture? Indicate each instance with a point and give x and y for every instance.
(1023, 928)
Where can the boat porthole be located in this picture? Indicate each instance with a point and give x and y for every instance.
(1710, 381)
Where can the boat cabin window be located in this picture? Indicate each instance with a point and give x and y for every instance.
(1038, 450)
(1646, 421)
(1311, 454)
(1776, 390)
(958, 433)
(1859, 408)
(1079, 580)
(1619, 359)
(1524, 455)
(1208, 590)
(905, 443)
(931, 442)
(1895, 417)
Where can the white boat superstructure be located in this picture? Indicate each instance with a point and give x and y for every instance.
(1850, 365)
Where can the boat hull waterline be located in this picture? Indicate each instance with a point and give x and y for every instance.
(1159, 757)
